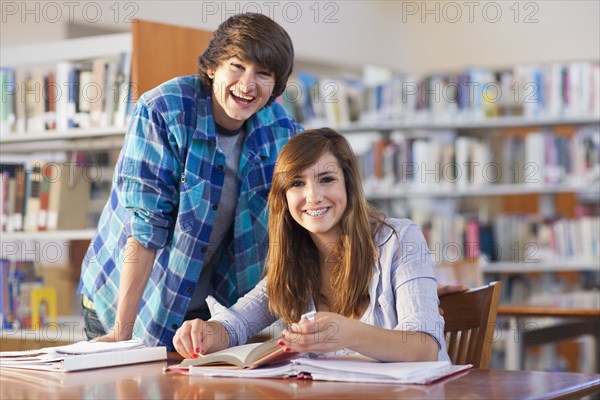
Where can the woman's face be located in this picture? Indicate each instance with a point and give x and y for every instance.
(317, 199)
(240, 89)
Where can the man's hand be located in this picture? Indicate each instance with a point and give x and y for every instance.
(443, 290)
(111, 336)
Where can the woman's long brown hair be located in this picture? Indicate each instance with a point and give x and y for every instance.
(293, 266)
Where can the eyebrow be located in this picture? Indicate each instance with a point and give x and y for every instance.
(319, 175)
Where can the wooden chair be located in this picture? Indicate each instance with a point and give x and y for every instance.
(470, 319)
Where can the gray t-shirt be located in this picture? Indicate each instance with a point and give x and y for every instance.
(230, 143)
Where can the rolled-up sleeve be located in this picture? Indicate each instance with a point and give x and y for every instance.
(147, 178)
(248, 316)
(415, 287)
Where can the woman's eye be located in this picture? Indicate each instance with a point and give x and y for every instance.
(297, 184)
(328, 179)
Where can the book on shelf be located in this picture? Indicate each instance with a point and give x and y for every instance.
(81, 94)
(246, 356)
(511, 238)
(18, 281)
(82, 356)
(69, 199)
(7, 105)
(44, 196)
(447, 160)
(12, 195)
(528, 91)
(343, 369)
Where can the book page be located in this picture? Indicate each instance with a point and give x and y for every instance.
(389, 370)
(277, 371)
(233, 355)
(82, 347)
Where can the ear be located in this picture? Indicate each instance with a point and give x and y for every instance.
(210, 73)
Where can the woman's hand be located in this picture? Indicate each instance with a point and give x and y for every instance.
(196, 337)
(328, 332)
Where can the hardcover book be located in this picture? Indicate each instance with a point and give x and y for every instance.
(247, 356)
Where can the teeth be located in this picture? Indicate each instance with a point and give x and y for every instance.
(316, 213)
(237, 94)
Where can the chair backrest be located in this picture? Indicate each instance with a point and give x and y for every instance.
(470, 319)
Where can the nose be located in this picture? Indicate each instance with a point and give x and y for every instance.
(313, 193)
(247, 81)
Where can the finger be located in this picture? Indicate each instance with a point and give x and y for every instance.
(289, 346)
(185, 342)
(304, 344)
(310, 326)
(299, 327)
(198, 337)
(177, 343)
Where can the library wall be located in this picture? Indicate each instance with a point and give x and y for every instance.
(409, 36)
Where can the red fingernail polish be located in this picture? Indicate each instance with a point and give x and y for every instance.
(280, 343)
(287, 350)
(195, 356)
(197, 349)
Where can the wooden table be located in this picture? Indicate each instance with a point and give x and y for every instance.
(148, 381)
(574, 322)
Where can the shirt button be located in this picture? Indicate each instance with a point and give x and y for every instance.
(215, 207)
(190, 289)
(183, 179)
(175, 326)
(203, 250)
(220, 167)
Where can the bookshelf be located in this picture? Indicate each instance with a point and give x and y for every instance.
(491, 123)
(74, 234)
(156, 52)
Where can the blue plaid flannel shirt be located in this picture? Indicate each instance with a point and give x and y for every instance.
(168, 178)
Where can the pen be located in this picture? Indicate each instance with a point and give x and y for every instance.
(309, 315)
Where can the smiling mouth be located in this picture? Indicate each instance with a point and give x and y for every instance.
(242, 98)
(317, 213)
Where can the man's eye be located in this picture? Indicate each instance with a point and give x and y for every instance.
(237, 66)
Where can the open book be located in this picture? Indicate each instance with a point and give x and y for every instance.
(343, 369)
(247, 356)
(82, 355)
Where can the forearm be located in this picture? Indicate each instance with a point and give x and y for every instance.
(135, 271)
(391, 345)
